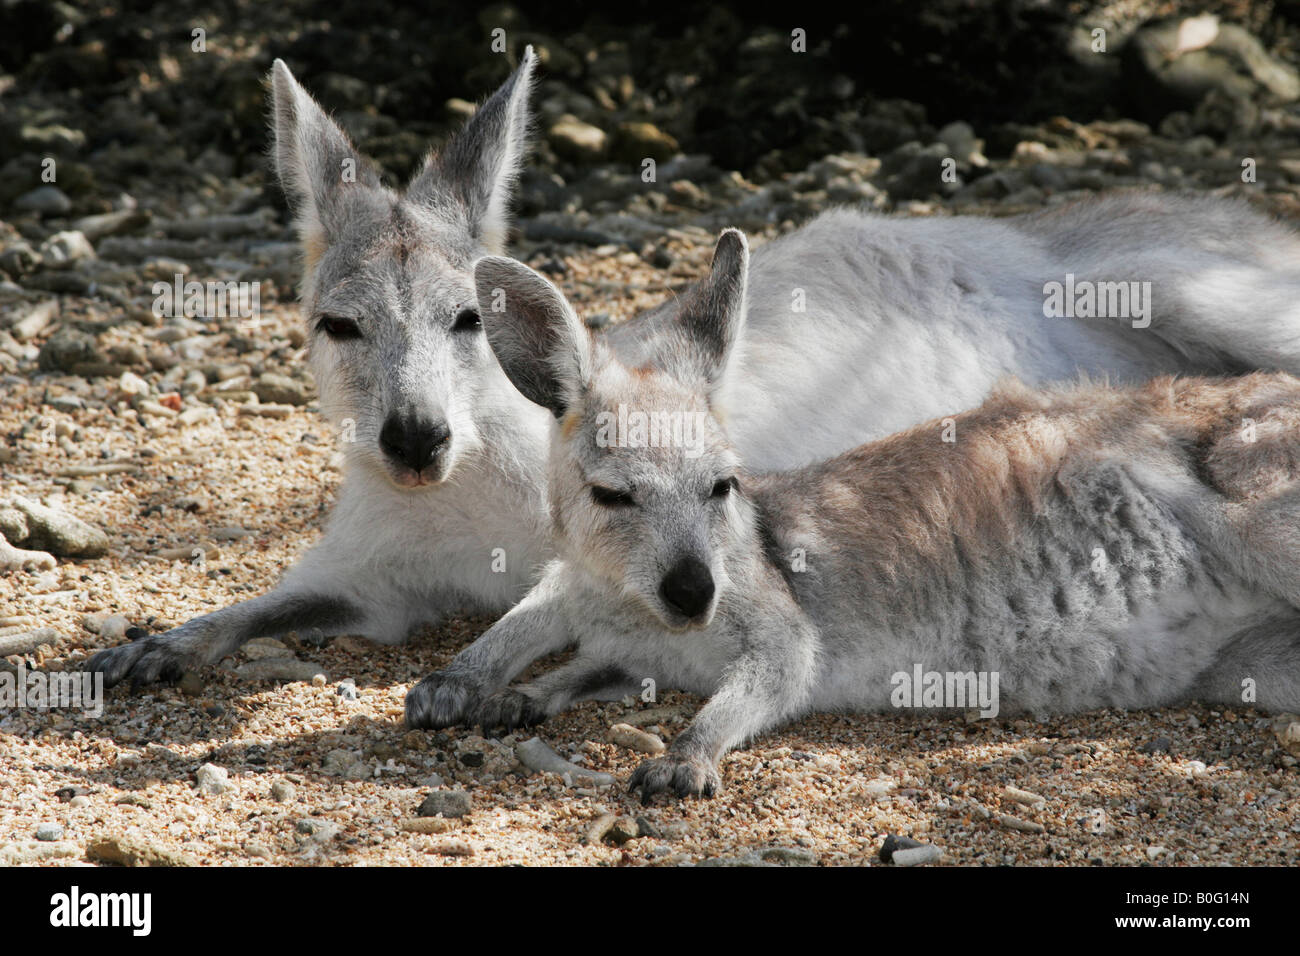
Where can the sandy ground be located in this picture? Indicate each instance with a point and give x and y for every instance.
(314, 778)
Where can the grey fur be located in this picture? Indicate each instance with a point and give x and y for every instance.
(906, 319)
(1094, 546)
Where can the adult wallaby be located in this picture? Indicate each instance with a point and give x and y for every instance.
(1090, 545)
(443, 503)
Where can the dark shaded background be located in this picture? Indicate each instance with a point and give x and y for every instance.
(719, 79)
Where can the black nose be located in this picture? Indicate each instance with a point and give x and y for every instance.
(413, 441)
(688, 587)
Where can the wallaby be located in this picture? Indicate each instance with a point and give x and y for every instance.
(1092, 546)
(859, 325)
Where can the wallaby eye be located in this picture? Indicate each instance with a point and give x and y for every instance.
(467, 320)
(338, 328)
(725, 487)
(611, 498)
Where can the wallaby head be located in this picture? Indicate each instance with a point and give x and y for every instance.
(642, 479)
(388, 294)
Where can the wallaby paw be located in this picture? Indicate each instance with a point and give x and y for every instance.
(442, 699)
(684, 776)
(509, 709)
(145, 661)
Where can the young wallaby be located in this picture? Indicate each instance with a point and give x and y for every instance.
(1091, 546)
(859, 325)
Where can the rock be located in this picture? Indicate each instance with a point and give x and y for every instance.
(281, 390)
(24, 852)
(25, 642)
(79, 802)
(1160, 745)
(452, 848)
(446, 803)
(426, 825)
(45, 201)
(573, 139)
(49, 832)
(914, 171)
(962, 143)
(65, 249)
(112, 628)
(1286, 727)
(1173, 64)
(60, 533)
(1022, 826)
(131, 386)
(646, 828)
(191, 684)
(127, 851)
(347, 689)
(917, 856)
(1023, 796)
(345, 763)
(787, 855)
(625, 735)
(111, 223)
(280, 668)
(21, 559)
(320, 831)
(18, 258)
(893, 844)
(67, 350)
(540, 758)
(879, 788)
(265, 648)
(282, 791)
(212, 780)
(32, 321)
(610, 828)
(637, 141)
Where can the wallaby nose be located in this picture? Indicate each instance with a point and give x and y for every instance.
(412, 440)
(688, 587)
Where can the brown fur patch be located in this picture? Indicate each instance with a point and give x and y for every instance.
(569, 425)
(313, 248)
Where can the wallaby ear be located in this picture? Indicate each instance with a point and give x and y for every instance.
(314, 160)
(474, 176)
(712, 318)
(542, 345)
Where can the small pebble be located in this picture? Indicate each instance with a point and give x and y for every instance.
(893, 844)
(282, 791)
(212, 779)
(447, 803)
(49, 832)
(625, 735)
(1016, 795)
(427, 825)
(1015, 823)
(917, 856)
